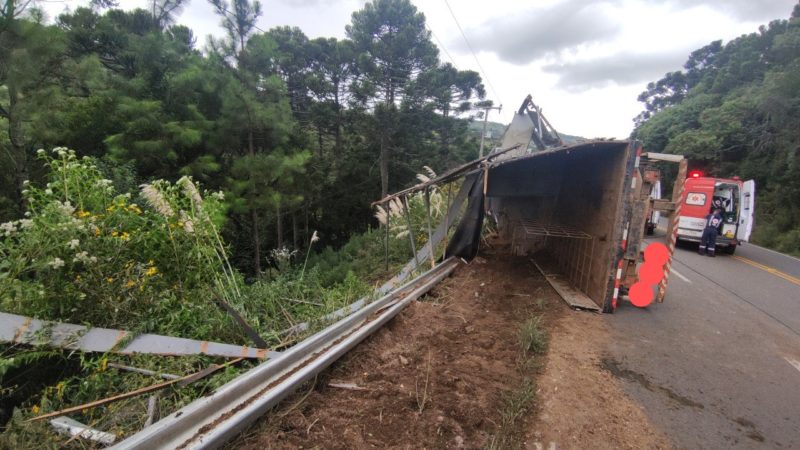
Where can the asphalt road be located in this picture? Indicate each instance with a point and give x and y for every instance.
(717, 365)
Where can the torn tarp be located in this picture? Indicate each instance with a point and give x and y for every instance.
(467, 236)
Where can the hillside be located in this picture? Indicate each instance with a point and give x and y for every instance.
(735, 110)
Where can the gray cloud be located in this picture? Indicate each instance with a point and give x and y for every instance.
(534, 33)
(621, 69)
(743, 10)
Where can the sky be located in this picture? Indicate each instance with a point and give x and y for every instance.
(583, 61)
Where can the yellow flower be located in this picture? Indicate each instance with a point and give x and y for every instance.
(151, 271)
(109, 280)
(60, 389)
(111, 208)
(134, 208)
(103, 364)
(35, 409)
(83, 214)
(78, 277)
(125, 236)
(97, 231)
(150, 262)
(141, 288)
(130, 284)
(115, 233)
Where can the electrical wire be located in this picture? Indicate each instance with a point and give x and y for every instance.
(488, 81)
(441, 45)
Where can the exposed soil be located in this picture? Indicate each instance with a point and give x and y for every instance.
(440, 373)
(581, 404)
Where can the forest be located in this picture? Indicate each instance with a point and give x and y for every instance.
(301, 134)
(734, 110)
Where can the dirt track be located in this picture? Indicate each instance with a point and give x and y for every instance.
(439, 374)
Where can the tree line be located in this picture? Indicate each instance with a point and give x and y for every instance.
(300, 134)
(734, 109)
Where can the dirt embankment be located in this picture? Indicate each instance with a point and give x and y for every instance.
(445, 371)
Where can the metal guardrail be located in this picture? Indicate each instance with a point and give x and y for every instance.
(210, 421)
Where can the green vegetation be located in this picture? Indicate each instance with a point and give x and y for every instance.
(532, 337)
(735, 110)
(290, 138)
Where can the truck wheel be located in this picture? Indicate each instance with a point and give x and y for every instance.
(731, 249)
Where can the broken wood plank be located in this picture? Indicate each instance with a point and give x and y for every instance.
(27, 330)
(153, 387)
(74, 428)
(573, 297)
(348, 386)
(166, 376)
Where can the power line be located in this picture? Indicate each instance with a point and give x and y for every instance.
(488, 81)
(441, 45)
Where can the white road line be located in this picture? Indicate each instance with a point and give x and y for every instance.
(773, 251)
(794, 363)
(678, 274)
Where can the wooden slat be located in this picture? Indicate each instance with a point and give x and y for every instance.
(573, 297)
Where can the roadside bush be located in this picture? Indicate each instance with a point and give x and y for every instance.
(85, 253)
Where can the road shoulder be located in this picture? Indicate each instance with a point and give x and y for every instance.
(581, 404)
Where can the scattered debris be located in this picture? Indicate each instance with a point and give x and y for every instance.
(27, 330)
(154, 387)
(74, 428)
(349, 386)
(166, 376)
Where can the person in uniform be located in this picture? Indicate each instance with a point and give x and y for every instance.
(708, 241)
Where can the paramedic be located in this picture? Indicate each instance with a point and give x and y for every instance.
(708, 241)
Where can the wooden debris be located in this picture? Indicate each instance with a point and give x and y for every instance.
(166, 376)
(155, 387)
(74, 428)
(27, 330)
(348, 386)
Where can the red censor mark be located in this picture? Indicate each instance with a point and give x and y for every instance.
(651, 273)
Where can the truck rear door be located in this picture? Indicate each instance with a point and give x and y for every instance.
(746, 216)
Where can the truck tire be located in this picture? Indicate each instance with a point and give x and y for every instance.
(731, 249)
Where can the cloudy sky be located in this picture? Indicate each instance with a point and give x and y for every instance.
(584, 61)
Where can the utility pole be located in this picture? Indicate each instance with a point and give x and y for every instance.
(486, 110)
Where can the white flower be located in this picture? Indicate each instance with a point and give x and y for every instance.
(27, 182)
(73, 244)
(84, 258)
(40, 152)
(25, 223)
(66, 208)
(314, 237)
(27, 213)
(48, 191)
(218, 195)
(8, 228)
(56, 263)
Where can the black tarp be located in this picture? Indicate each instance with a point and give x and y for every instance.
(467, 237)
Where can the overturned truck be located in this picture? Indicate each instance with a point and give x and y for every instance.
(578, 210)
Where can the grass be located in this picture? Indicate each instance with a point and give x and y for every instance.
(532, 338)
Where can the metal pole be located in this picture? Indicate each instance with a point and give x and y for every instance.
(430, 232)
(483, 134)
(446, 222)
(411, 232)
(386, 244)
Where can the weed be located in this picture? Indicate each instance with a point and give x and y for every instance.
(515, 404)
(533, 336)
(424, 398)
